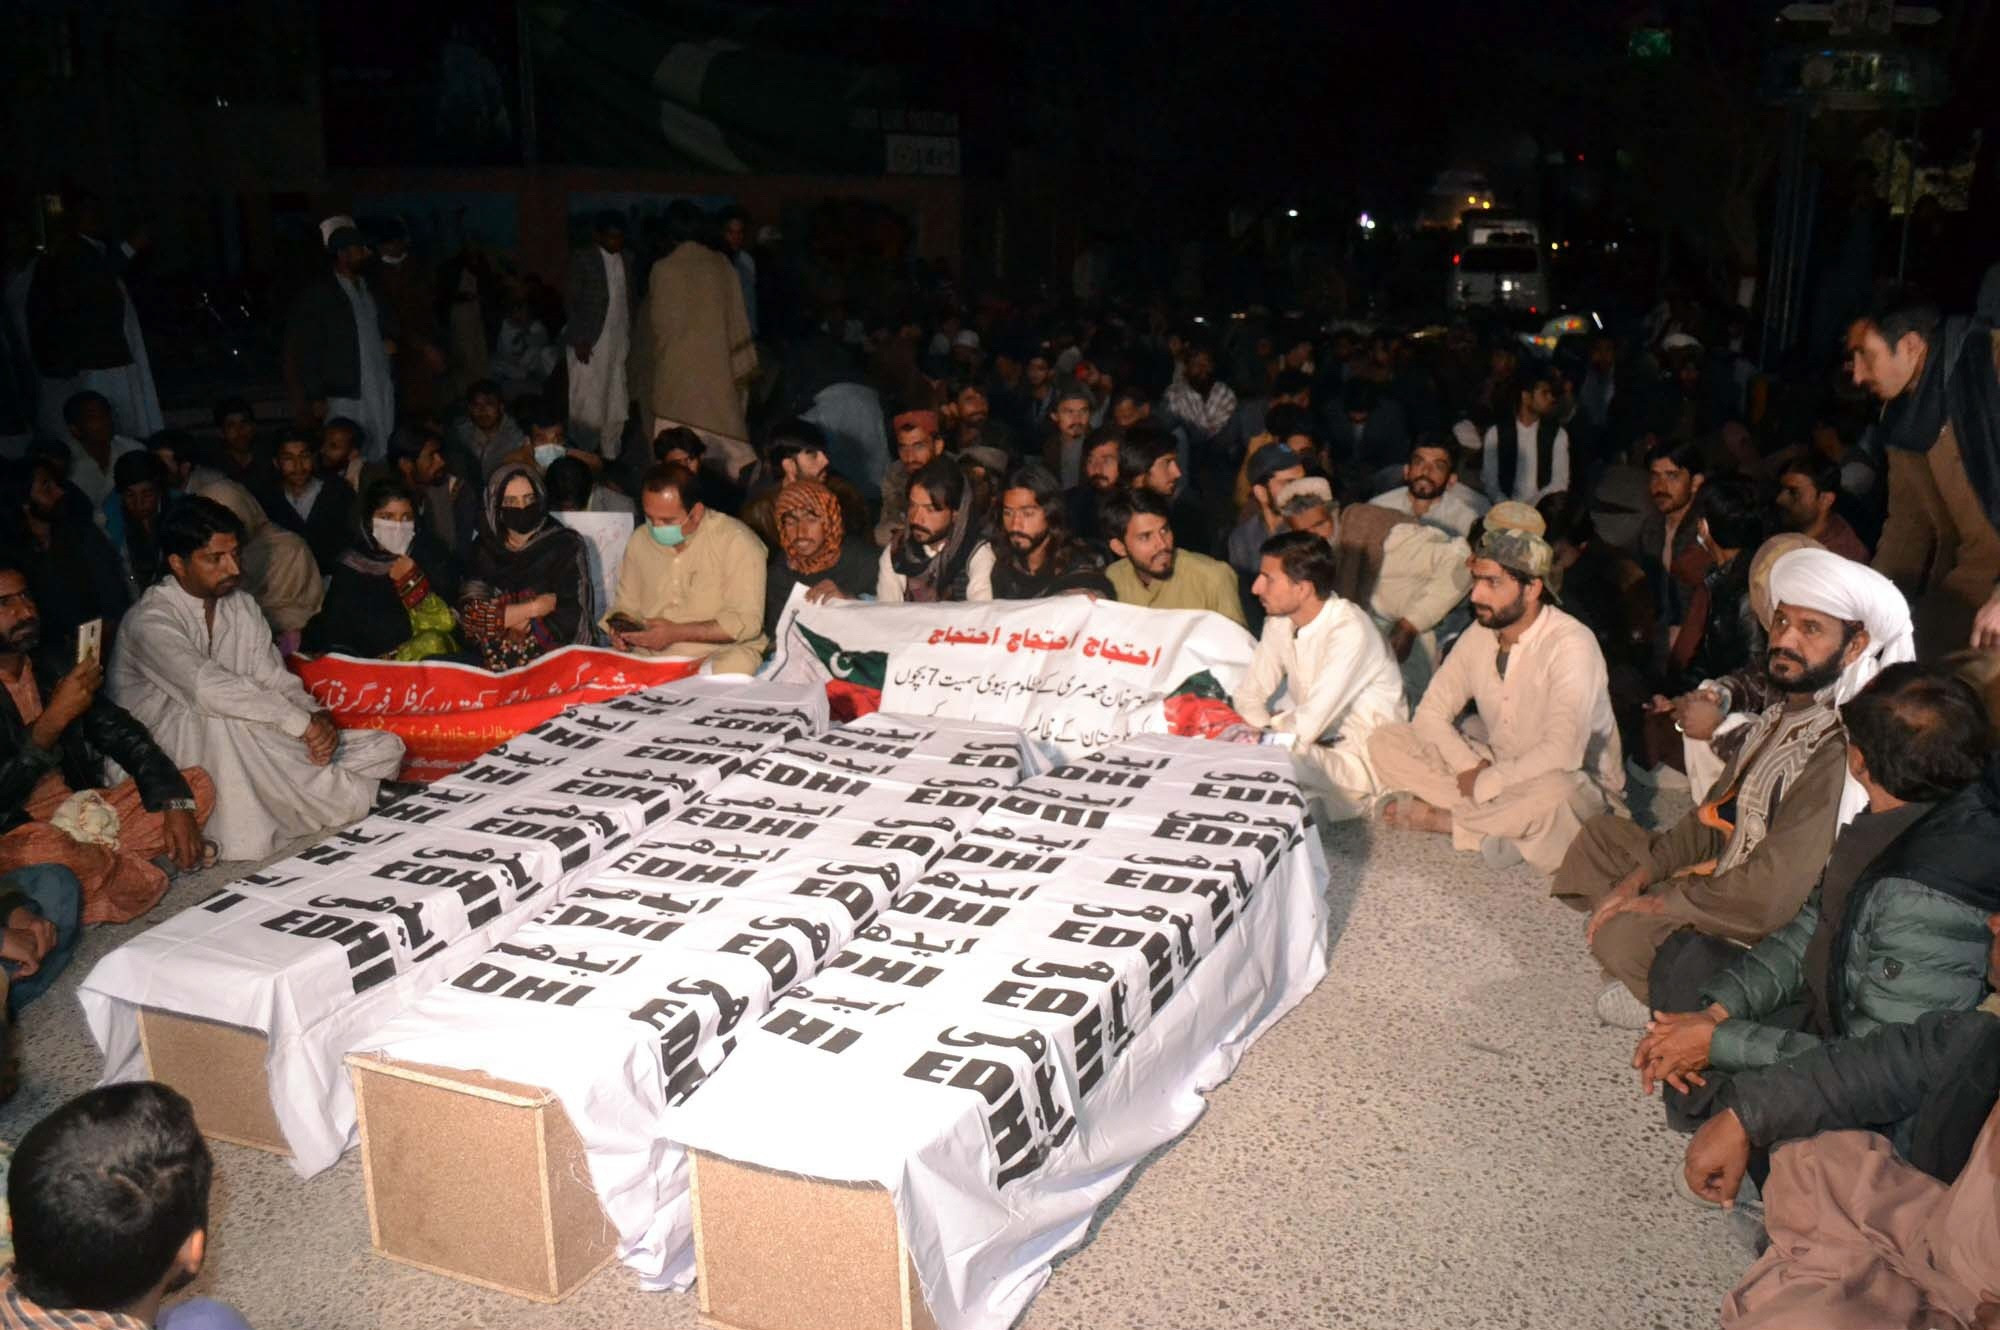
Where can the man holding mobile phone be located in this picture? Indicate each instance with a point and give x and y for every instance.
(57, 728)
(692, 583)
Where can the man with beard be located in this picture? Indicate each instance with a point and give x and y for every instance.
(1149, 460)
(1808, 489)
(1668, 550)
(1905, 899)
(57, 729)
(1549, 757)
(1151, 572)
(109, 1198)
(797, 450)
(340, 458)
(919, 442)
(1069, 424)
(1406, 574)
(1340, 682)
(1940, 389)
(1199, 400)
(1100, 480)
(1270, 471)
(977, 426)
(938, 555)
(74, 572)
(1528, 456)
(1040, 557)
(1430, 491)
(813, 550)
(1739, 866)
(197, 667)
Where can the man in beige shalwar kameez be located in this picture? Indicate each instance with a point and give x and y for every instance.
(1548, 758)
(701, 350)
(692, 580)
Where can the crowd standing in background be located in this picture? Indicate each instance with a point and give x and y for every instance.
(1496, 583)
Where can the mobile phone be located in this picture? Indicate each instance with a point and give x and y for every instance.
(90, 641)
(625, 623)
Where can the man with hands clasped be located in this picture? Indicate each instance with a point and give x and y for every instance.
(1896, 927)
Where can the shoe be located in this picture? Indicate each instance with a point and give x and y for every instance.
(1617, 1007)
(1499, 852)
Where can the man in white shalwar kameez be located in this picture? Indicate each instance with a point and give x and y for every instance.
(196, 666)
(81, 295)
(375, 403)
(602, 282)
(1341, 682)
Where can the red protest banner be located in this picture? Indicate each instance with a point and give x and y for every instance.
(447, 715)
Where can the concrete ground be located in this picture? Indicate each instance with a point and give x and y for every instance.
(1441, 1134)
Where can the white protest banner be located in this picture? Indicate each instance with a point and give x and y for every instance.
(605, 536)
(1075, 673)
(625, 997)
(1030, 1019)
(317, 950)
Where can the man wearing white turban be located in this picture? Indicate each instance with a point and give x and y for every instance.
(1819, 579)
(1739, 866)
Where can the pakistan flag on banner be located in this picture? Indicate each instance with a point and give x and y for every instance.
(854, 678)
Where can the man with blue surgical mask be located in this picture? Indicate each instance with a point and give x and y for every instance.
(548, 439)
(692, 583)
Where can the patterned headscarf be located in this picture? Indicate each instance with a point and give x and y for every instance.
(810, 498)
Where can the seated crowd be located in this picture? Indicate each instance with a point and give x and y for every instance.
(1466, 626)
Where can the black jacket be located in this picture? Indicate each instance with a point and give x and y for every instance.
(326, 529)
(1929, 1086)
(76, 309)
(1731, 637)
(106, 730)
(322, 345)
(1081, 571)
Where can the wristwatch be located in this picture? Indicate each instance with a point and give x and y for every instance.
(178, 806)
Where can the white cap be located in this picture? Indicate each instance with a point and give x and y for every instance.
(966, 337)
(334, 223)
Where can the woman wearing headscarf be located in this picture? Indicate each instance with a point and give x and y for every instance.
(813, 551)
(527, 582)
(381, 603)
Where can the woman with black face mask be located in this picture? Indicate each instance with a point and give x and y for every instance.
(527, 584)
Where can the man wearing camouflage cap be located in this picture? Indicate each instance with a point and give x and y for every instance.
(1545, 755)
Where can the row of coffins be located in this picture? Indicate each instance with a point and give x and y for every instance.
(248, 1001)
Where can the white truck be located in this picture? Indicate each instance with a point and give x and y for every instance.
(1501, 266)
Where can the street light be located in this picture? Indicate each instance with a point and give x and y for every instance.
(1291, 212)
